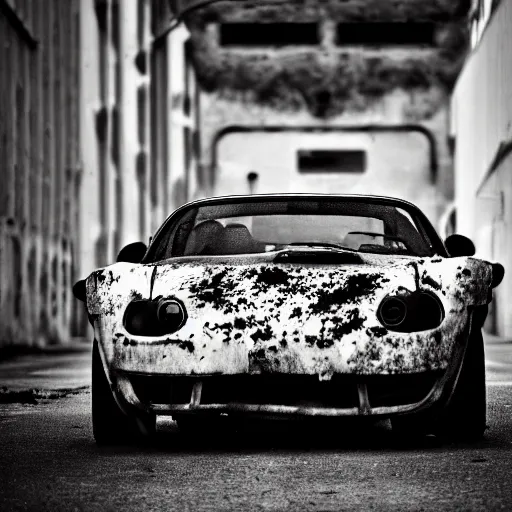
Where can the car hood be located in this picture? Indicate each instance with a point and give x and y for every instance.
(302, 318)
(320, 280)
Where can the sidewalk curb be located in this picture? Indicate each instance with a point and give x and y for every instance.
(32, 395)
(76, 345)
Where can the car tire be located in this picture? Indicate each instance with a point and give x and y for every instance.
(465, 416)
(109, 424)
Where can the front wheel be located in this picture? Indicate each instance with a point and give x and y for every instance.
(465, 416)
(109, 424)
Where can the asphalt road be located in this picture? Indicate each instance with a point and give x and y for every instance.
(48, 459)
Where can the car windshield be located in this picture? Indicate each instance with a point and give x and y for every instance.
(264, 226)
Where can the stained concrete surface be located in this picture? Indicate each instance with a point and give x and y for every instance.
(66, 367)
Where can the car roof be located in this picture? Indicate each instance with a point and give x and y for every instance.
(297, 195)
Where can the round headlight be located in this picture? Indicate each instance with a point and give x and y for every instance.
(432, 312)
(392, 311)
(139, 318)
(171, 314)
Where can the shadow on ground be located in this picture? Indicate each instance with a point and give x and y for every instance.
(308, 437)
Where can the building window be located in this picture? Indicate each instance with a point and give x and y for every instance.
(268, 34)
(329, 161)
(385, 34)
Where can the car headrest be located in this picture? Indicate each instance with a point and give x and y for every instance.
(203, 237)
(236, 239)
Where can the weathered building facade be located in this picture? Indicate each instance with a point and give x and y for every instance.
(357, 63)
(98, 144)
(481, 130)
(139, 123)
(40, 168)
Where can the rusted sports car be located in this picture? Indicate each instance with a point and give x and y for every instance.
(291, 305)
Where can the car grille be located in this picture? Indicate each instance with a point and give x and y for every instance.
(290, 390)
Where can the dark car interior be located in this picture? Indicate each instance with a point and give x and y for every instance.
(248, 227)
(212, 238)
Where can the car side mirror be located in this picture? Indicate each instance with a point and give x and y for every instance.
(79, 290)
(132, 253)
(459, 245)
(498, 273)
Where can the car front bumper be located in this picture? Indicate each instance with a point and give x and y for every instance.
(441, 383)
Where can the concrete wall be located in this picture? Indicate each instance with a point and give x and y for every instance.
(97, 118)
(40, 169)
(493, 238)
(136, 89)
(397, 162)
(482, 128)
